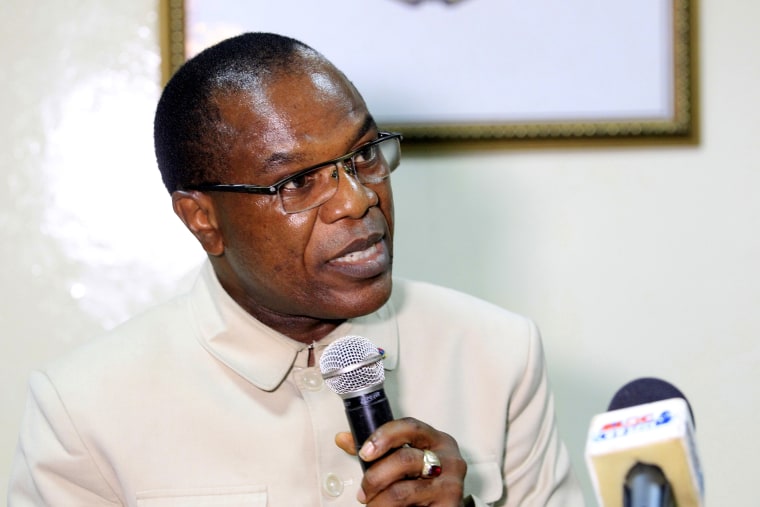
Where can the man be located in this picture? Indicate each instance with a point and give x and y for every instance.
(277, 168)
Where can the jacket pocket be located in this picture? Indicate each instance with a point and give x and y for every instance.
(484, 481)
(244, 496)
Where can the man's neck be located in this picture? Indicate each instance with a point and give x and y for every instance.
(300, 329)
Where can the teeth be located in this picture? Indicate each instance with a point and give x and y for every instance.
(358, 256)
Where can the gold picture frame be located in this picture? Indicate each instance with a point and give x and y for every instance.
(675, 64)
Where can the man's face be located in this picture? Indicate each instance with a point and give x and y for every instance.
(328, 263)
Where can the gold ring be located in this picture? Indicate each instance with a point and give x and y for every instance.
(431, 465)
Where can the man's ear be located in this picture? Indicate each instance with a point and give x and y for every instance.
(196, 210)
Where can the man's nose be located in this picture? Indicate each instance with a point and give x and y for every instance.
(352, 199)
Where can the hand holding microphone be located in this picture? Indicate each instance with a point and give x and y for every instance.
(402, 458)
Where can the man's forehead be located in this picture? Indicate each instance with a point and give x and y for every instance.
(313, 82)
(294, 120)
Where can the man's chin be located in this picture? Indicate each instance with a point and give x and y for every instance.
(365, 300)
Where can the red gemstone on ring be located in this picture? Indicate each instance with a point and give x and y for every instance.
(431, 465)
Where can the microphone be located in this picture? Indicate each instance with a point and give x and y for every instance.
(641, 452)
(353, 367)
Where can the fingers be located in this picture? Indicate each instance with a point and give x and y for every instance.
(416, 465)
(398, 479)
(398, 433)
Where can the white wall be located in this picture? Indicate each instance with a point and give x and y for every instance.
(638, 261)
(86, 232)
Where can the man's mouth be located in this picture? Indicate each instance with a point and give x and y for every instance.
(360, 255)
(365, 259)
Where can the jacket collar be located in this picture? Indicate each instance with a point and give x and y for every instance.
(262, 355)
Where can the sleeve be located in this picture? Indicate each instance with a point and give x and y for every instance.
(537, 468)
(52, 465)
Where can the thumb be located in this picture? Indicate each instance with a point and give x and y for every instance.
(345, 441)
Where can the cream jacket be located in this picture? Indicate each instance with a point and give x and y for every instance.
(195, 403)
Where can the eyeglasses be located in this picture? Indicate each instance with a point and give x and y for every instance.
(370, 164)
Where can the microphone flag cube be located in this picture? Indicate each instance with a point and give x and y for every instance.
(660, 433)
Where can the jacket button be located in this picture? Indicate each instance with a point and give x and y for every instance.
(332, 485)
(312, 379)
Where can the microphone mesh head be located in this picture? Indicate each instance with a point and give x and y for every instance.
(349, 353)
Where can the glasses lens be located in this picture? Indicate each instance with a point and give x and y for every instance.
(371, 164)
(309, 190)
(391, 149)
(374, 162)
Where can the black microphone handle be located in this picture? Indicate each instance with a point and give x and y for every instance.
(647, 486)
(366, 412)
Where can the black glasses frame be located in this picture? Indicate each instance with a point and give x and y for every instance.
(274, 188)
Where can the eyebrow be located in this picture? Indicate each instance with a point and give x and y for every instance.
(369, 124)
(279, 158)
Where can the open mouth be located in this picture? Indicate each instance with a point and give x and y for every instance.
(361, 255)
(367, 262)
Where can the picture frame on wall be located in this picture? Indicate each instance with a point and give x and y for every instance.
(485, 71)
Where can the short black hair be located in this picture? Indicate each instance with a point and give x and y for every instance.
(187, 131)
